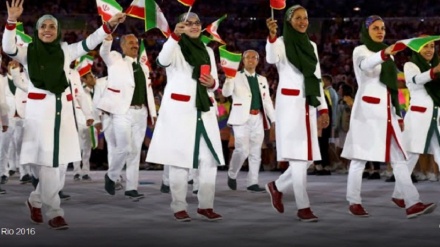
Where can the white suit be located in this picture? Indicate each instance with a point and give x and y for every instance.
(248, 128)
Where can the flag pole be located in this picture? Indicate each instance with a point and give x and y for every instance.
(187, 14)
(271, 10)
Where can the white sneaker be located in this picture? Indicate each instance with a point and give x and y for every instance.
(432, 177)
(421, 176)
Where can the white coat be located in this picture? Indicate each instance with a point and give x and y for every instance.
(238, 87)
(4, 120)
(373, 119)
(82, 101)
(40, 136)
(174, 134)
(296, 130)
(420, 114)
(116, 99)
(20, 81)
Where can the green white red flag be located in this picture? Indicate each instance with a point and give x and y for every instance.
(188, 3)
(278, 4)
(415, 44)
(143, 57)
(152, 14)
(212, 29)
(84, 64)
(229, 61)
(107, 9)
(22, 38)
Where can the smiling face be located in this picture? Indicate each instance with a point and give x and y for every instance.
(130, 45)
(377, 31)
(428, 51)
(47, 32)
(250, 60)
(300, 20)
(193, 27)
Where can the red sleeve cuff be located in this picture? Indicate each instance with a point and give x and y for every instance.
(431, 73)
(213, 85)
(10, 26)
(323, 111)
(271, 40)
(400, 120)
(107, 29)
(175, 37)
(384, 56)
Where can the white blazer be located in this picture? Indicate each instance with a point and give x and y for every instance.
(116, 99)
(82, 101)
(238, 87)
(4, 120)
(21, 82)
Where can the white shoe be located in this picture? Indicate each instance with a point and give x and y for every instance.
(432, 177)
(421, 176)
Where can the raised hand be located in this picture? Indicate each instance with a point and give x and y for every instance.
(272, 26)
(117, 19)
(12, 65)
(389, 50)
(15, 9)
(180, 28)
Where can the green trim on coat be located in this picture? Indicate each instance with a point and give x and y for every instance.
(56, 130)
(84, 45)
(201, 131)
(432, 129)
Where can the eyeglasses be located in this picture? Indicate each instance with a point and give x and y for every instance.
(190, 23)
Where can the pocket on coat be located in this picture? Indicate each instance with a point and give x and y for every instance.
(371, 100)
(69, 97)
(290, 92)
(418, 108)
(36, 96)
(114, 90)
(180, 97)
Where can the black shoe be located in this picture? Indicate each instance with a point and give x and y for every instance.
(414, 179)
(11, 173)
(165, 188)
(109, 185)
(314, 172)
(232, 183)
(4, 179)
(195, 192)
(86, 178)
(35, 182)
(63, 197)
(2, 191)
(391, 179)
(133, 194)
(374, 175)
(25, 179)
(323, 172)
(77, 177)
(255, 188)
(191, 181)
(365, 174)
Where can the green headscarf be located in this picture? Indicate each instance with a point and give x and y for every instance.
(46, 61)
(195, 53)
(388, 73)
(300, 53)
(432, 87)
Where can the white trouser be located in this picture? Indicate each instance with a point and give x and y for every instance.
(248, 140)
(85, 141)
(47, 190)
(296, 176)
(63, 171)
(18, 139)
(434, 148)
(8, 158)
(129, 132)
(192, 175)
(207, 173)
(403, 178)
(109, 136)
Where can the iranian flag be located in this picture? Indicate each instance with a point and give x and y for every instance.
(212, 29)
(229, 61)
(136, 9)
(107, 9)
(22, 38)
(154, 17)
(188, 3)
(143, 57)
(415, 44)
(278, 4)
(94, 136)
(205, 39)
(84, 64)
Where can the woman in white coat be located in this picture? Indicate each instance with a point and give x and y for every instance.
(300, 106)
(50, 137)
(186, 134)
(375, 134)
(421, 134)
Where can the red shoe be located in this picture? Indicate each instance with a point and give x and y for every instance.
(358, 210)
(58, 223)
(306, 215)
(399, 202)
(419, 209)
(182, 216)
(276, 197)
(209, 214)
(36, 216)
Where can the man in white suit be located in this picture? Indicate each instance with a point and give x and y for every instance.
(3, 109)
(251, 108)
(129, 101)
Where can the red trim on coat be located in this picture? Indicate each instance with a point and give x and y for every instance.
(10, 26)
(290, 92)
(323, 111)
(69, 97)
(309, 134)
(431, 73)
(36, 96)
(272, 40)
(265, 124)
(390, 133)
(384, 56)
(175, 36)
(418, 108)
(106, 28)
(180, 97)
(114, 90)
(371, 100)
